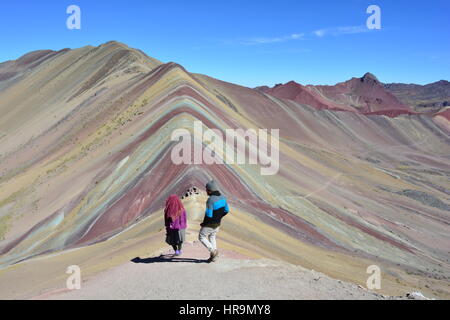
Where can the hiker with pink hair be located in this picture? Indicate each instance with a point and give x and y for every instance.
(175, 222)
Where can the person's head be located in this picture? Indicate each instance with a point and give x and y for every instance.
(174, 207)
(211, 187)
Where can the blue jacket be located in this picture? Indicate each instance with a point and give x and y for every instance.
(216, 209)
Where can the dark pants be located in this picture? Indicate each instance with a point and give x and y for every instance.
(177, 247)
(175, 238)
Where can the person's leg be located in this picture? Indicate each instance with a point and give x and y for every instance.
(174, 247)
(203, 237)
(212, 238)
(182, 239)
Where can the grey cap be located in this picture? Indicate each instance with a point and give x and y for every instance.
(211, 186)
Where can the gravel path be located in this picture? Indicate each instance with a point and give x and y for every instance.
(232, 276)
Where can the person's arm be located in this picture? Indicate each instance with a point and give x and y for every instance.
(226, 210)
(167, 222)
(209, 208)
(208, 212)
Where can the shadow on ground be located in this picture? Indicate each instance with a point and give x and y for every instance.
(167, 258)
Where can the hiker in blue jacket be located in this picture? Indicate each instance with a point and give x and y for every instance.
(216, 209)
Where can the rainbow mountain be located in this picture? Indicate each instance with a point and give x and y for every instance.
(85, 169)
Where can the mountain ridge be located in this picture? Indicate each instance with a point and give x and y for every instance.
(400, 98)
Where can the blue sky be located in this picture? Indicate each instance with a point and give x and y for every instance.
(250, 42)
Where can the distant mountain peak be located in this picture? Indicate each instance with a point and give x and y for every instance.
(442, 82)
(369, 77)
(113, 42)
(364, 95)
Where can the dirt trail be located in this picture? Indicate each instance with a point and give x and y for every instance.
(232, 276)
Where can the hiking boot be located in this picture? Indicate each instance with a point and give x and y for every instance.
(213, 256)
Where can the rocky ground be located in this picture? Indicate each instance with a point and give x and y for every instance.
(232, 276)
